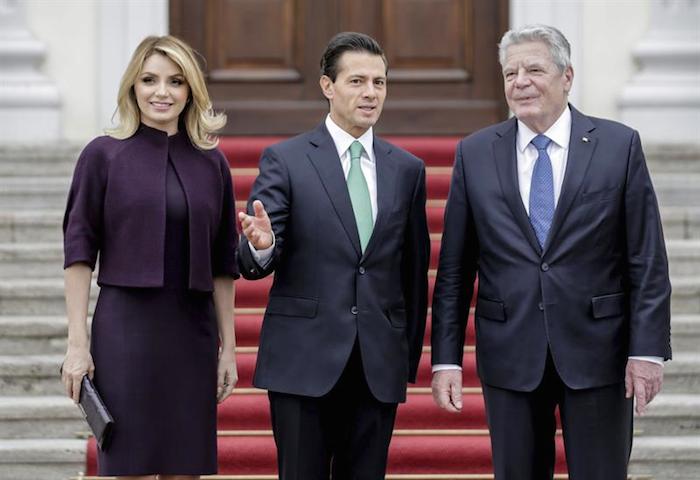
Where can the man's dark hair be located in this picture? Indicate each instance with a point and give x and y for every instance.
(348, 42)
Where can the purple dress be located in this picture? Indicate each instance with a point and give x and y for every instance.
(155, 353)
(160, 214)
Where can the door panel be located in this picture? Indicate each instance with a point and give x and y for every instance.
(263, 60)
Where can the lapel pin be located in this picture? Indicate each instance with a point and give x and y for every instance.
(585, 139)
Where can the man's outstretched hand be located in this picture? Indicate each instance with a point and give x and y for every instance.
(257, 228)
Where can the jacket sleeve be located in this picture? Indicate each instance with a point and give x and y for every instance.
(647, 265)
(83, 218)
(225, 249)
(454, 284)
(272, 188)
(414, 274)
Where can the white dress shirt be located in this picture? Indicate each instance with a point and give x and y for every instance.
(558, 151)
(342, 141)
(526, 156)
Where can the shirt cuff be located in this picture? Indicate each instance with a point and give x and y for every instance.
(445, 366)
(658, 360)
(263, 257)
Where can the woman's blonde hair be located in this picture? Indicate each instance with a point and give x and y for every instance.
(198, 116)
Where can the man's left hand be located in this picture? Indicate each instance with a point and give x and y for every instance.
(643, 379)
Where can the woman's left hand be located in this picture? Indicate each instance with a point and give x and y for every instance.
(227, 375)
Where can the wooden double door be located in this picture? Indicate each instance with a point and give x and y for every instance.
(262, 60)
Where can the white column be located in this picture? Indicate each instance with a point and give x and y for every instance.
(564, 16)
(663, 99)
(29, 101)
(122, 26)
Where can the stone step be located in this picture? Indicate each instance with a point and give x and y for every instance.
(35, 296)
(677, 189)
(666, 457)
(41, 459)
(46, 259)
(33, 335)
(24, 260)
(672, 158)
(30, 375)
(685, 333)
(38, 161)
(46, 335)
(60, 158)
(685, 298)
(681, 222)
(31, 260)
(38, 374)
(42, 226)
(40, 417)
(671, 414)
(31, 226)
(37, 192)
(682, 374)
(683, 257)
(33, 193)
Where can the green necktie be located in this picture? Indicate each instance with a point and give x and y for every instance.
(359, 195)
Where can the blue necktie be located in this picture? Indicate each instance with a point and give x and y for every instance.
(542, 191)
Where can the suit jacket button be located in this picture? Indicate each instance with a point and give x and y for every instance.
(362, 270)
(353, 310)
(544, 266)
(540, 306)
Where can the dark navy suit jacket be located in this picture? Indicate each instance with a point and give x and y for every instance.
(325, 292)
(116, 206)
(597, 293)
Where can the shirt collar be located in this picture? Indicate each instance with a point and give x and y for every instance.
(343, 139)
(559, 132)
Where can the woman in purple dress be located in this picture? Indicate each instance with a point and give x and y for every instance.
(154, 198)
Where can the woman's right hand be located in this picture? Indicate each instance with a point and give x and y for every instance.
(76, 365)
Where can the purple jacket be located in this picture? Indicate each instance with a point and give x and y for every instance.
(116, 206)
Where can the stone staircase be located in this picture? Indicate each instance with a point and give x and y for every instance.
(39, 425)
(40, 428)
(668, 443)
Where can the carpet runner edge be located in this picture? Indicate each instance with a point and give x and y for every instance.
(396, 476)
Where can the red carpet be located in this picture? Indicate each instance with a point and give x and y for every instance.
(427, 440)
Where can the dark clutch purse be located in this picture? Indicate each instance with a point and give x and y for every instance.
(96, 413)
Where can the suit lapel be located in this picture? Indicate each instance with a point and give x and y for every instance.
(507, 167)
(580, 154)
(386, 189)
(324, 157)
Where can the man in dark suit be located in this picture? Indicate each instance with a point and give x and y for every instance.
(339, 215)
(556, 213)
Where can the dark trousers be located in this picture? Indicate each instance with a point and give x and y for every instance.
(343, 435)
(596, 424)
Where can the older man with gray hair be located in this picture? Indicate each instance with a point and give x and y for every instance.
(556, 213)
